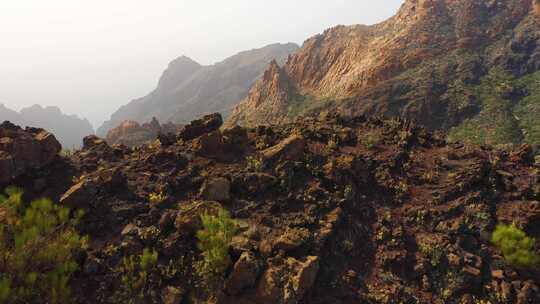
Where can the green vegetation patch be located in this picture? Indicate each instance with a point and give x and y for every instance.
(214, 240)
(301, 105)
(496, 123)
(38, 241)
(527, 110)
(510, 111)
(516, 246)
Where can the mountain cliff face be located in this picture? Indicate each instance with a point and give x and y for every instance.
(467, 66)
(187, 89)
(69, 129)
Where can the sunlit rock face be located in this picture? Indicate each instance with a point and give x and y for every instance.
(423, 64)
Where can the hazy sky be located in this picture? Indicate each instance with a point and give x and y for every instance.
(90, 57)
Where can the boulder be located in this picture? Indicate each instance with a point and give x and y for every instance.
(167, 219)
(304, 274)
(288, 282)
(244, 274)
(216, 189)
(523, 154)
(269, 289)
(529, 293)
(79, 196)
(24, 150)
(291, 148)
(196, 128)
(92, 141)
(209, 145)
(188, 219)
(291, 239)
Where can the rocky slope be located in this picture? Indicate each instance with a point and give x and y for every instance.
(131, 133)
(334, 210)
(468, 66)
(69, 129)
(187, 90)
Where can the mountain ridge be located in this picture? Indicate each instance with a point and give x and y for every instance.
(69, 129)
(424, 63)
(187, 89)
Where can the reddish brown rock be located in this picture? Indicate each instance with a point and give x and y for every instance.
(292, 148)
(131, 133)
(289, 282)
(244, 274)
(24, 150)
(201, 126)
(80, 196)
(210, 145)
(216, 189)
(266, 101)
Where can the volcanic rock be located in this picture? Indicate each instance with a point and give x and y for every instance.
(24, 150)
(202, 126)
(244, 274)
(217, 189)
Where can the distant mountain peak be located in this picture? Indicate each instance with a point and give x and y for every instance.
(68, 129)
(187, 89)
(183, 60)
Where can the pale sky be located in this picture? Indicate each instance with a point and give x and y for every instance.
(91, 56)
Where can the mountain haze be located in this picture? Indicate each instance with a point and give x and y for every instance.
(187, 89)
(69, 129)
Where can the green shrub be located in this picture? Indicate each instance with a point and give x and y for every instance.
(214, 240)
(135, 272)
(37, 243)
(517, 248)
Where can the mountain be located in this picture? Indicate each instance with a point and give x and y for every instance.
(465, 66)
(69, 129)
(187, 89)
(330, 210)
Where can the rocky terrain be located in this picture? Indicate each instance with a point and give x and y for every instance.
(130, 133)
(467, 66)
(336, 209)
(69, 129)
(188, 90)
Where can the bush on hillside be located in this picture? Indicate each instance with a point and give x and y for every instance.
(214, 241)
(37, 245)
(516, 246)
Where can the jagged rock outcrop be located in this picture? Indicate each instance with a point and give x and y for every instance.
(69, 129)
(438, 62)
(131, 133)
(24, 150)
(266, 101)
(199, 127)
(188, 90)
